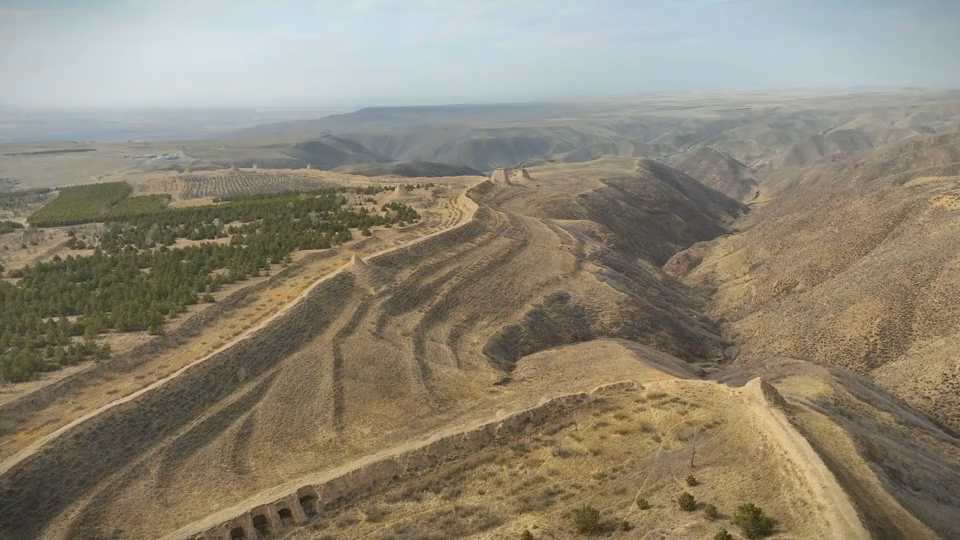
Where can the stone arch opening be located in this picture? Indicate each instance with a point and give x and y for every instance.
(261, 524)
(309, 504)
(285, 515)
(237, 533)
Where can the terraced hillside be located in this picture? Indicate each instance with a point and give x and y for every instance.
(469, 356)
(393, 347)
(628, 450)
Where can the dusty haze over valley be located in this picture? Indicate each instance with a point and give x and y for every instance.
(531, 270)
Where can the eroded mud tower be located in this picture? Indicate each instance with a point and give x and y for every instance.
(500, 176)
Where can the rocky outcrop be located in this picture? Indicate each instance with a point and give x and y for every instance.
(685, 261)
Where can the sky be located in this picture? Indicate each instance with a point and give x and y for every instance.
(319, 53)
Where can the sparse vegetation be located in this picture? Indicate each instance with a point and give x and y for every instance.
(20, 200)
(9, 226)
(526, 535)
(688, 503)
(643, 504)
(751, 519)
(624, 525)
(586, 519)
(692, 481)
(711, 511)
(722, 534)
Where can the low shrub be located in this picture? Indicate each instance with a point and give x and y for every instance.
(687, 502)
(722, 534)
(586, 519)
(750, 518)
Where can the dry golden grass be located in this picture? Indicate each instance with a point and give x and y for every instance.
(606, 454)
(858, 274)
(497, 303)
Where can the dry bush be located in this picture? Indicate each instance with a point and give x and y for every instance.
(711, 512)
(722, 534)
(688, 503)
(586, 519)
(752, 521)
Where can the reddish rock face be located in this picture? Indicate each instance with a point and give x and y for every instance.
(683, 262)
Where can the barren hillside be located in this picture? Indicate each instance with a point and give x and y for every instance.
(718, 171)
(409, 338)
(853, 270)
(586, 329)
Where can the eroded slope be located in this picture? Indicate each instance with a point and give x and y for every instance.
(856, 270)
(391, 348)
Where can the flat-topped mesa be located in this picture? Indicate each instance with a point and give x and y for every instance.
(500, 176)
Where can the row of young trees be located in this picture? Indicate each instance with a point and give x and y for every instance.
(134, 281)
(81, 204)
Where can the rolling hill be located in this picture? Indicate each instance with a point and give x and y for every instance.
(749, 298)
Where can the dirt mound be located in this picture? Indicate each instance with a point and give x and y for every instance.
(508, 176)
(520, 174)
(685, 261)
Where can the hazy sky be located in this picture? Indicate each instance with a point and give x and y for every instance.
(369, 52)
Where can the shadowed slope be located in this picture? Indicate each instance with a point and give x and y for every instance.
(717, 171)
(857, 272)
